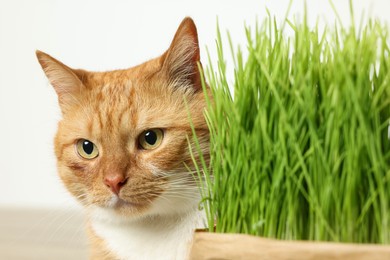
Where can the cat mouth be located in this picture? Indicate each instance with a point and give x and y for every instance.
(118, 203)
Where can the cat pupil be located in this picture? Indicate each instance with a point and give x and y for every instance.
(87, 147)
(150, 137)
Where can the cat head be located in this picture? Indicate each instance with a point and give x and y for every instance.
(122, 143)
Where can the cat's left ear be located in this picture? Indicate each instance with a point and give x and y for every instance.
(183, 56)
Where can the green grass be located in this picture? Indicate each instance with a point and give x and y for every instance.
(301, 150)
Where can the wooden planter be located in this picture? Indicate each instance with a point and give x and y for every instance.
(235, 246)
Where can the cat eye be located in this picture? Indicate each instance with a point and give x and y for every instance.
(151, 139)
(87, 149)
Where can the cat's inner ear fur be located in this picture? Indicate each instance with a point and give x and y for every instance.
(183, 56)
(64, 80)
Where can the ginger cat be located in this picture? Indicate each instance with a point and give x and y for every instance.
(122, 149)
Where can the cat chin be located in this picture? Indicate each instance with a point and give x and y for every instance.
(117, 203)
(126, 209)
(111, 215)
(118, 211)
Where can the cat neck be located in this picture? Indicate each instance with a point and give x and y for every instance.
(149, 237)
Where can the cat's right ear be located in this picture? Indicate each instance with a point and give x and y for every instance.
(65, 82)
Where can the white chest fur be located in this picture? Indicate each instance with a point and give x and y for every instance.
(166, 237)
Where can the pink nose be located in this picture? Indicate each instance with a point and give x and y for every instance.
(115, 182)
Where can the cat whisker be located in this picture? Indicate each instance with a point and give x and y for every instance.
(60, 226)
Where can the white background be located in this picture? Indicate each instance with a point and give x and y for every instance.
(101, 35)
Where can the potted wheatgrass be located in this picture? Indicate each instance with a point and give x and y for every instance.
(300, 146)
